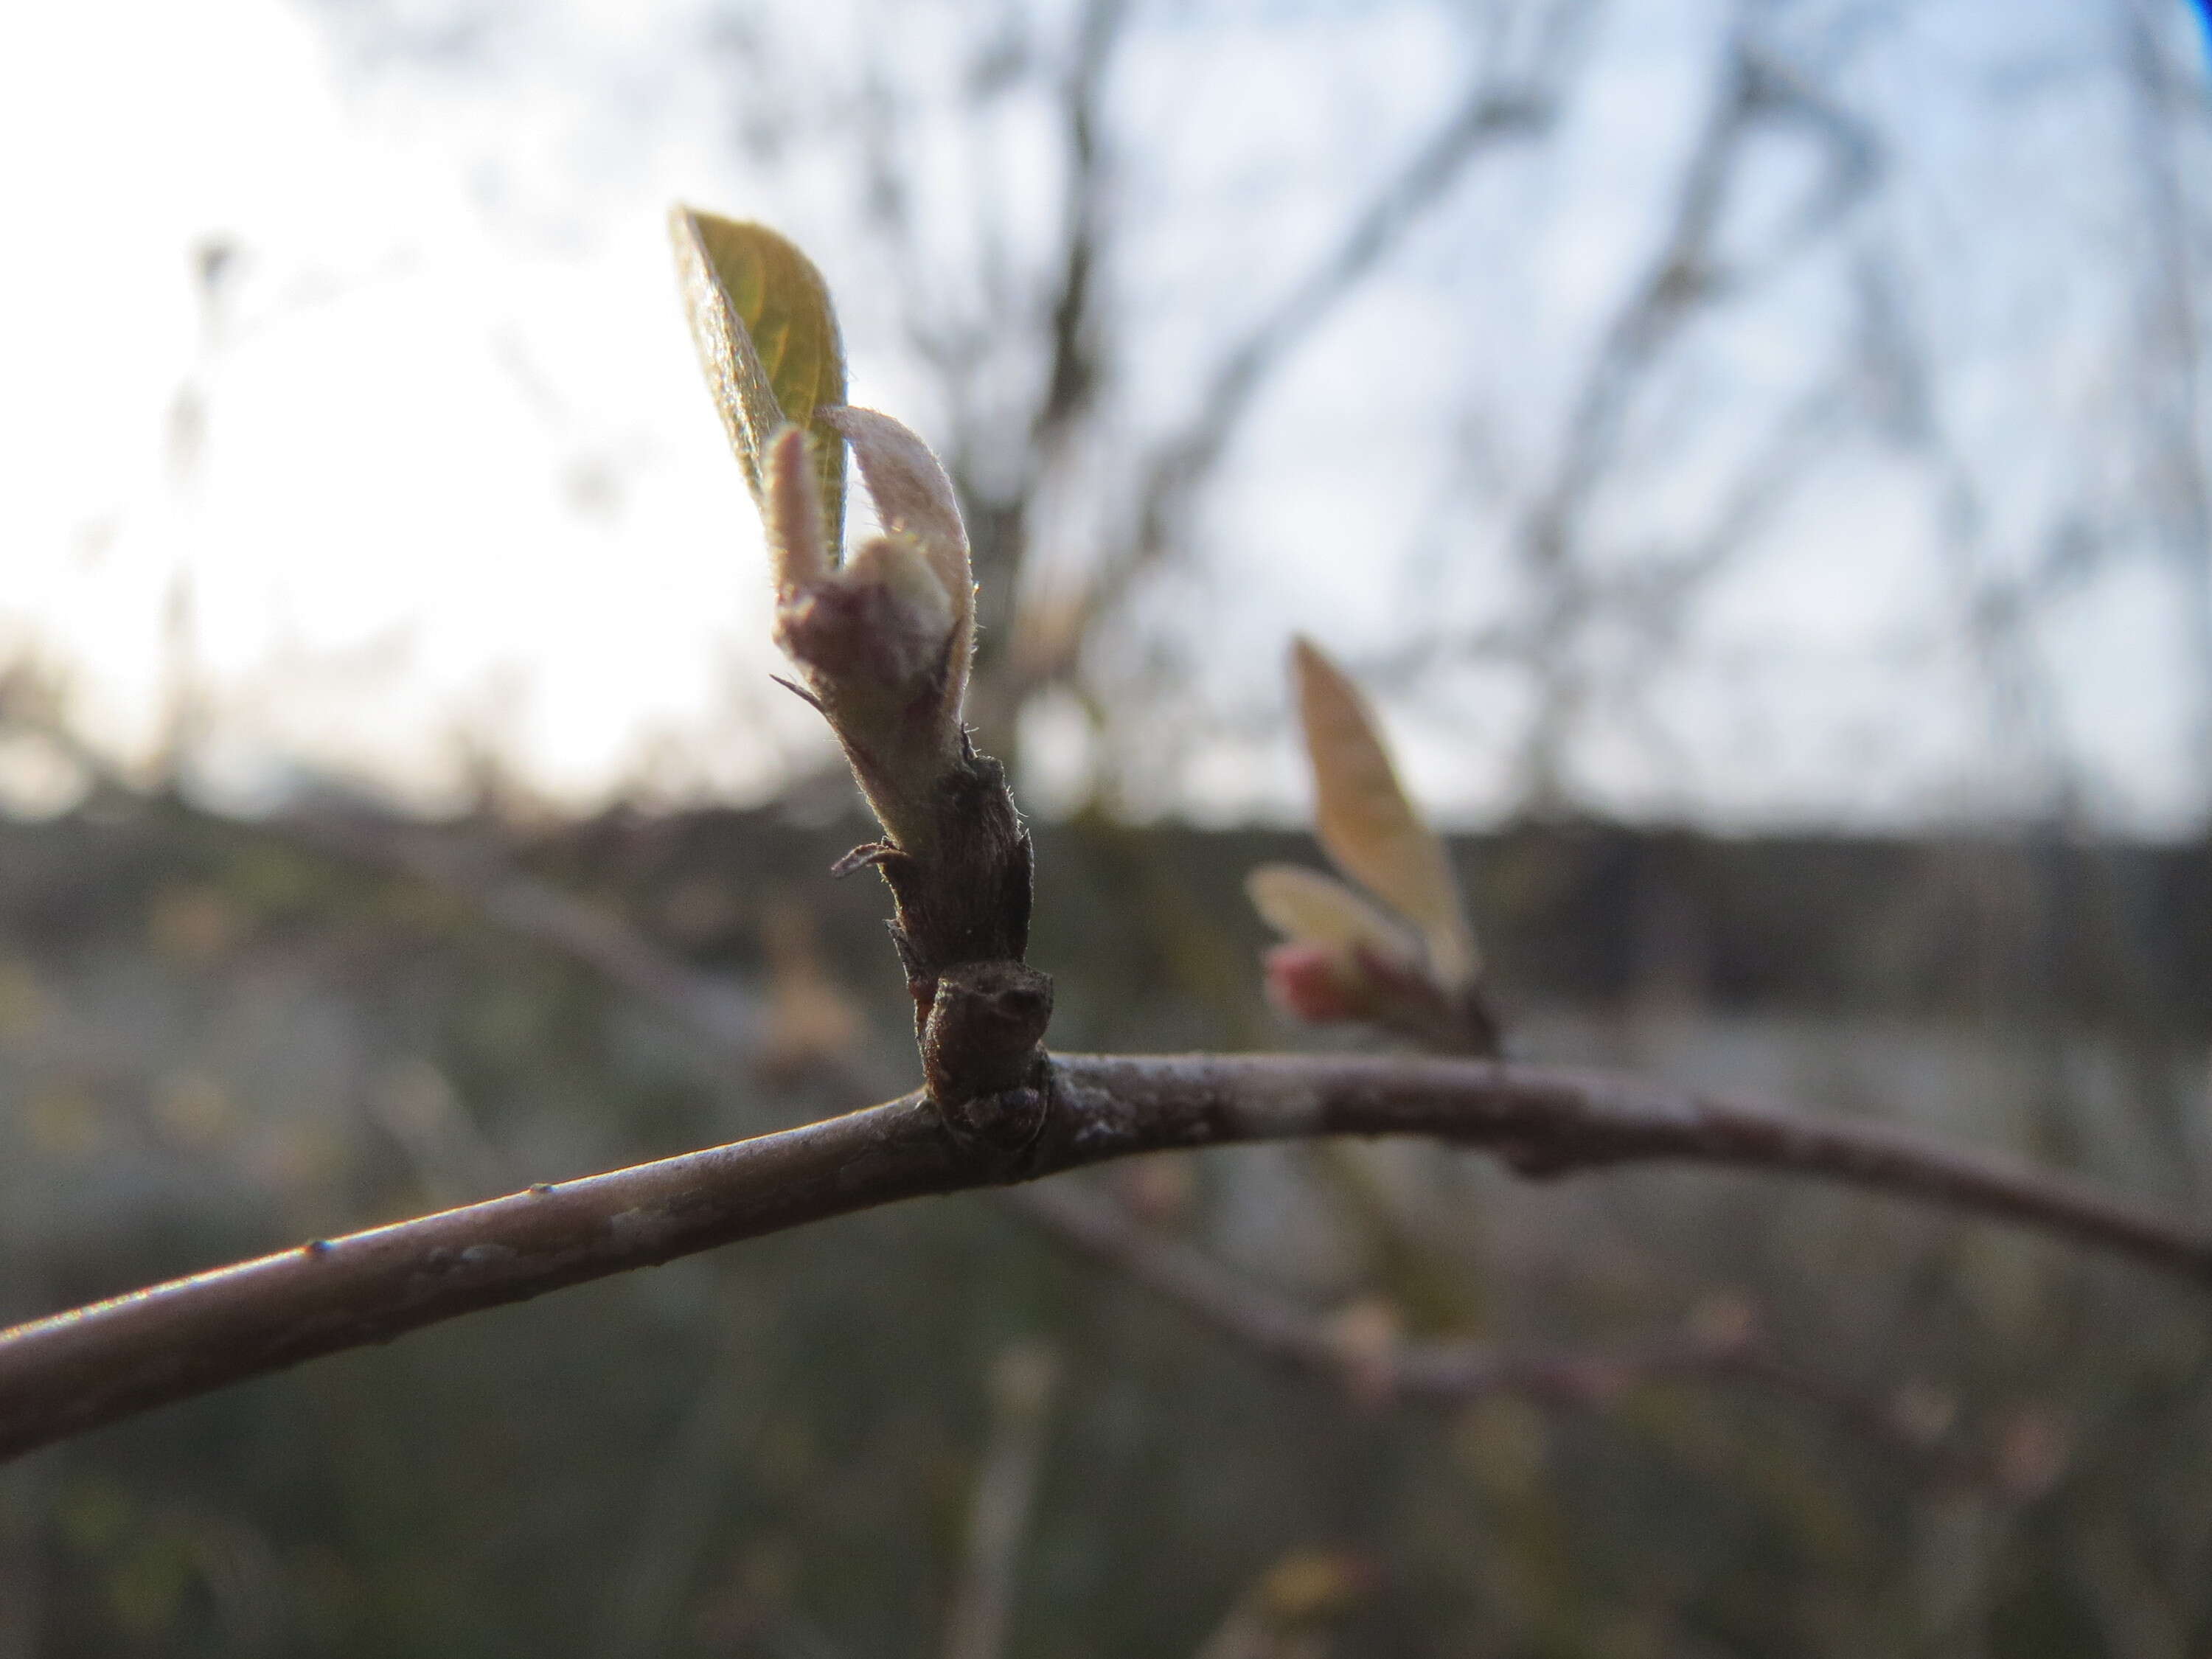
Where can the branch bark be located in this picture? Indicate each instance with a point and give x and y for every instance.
(74, 1371)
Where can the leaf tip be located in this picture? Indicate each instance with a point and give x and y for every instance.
(1365, 819)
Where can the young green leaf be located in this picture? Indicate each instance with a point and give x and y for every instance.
(1364, 820)
(768, 339)
(1313, 909)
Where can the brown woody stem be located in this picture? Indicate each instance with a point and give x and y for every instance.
(882, 643)
(1448, 1371)
(74, 1371)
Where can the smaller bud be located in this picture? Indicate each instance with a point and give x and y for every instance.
(1316, 984)
(1723, 1322)
(1161, 1190)
(1365, 1335)
(2032, 1452)
(1319, 984)
(1922, 1413)
(882, 640)
(1308, 1586)
(917, 613)
(883, 620)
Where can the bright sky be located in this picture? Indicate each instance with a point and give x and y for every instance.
(445, 488)
(441, 476)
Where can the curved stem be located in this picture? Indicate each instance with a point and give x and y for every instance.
(1449, 1371)
(74, 1371)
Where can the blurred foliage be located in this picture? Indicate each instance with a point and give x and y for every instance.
(214, 1042)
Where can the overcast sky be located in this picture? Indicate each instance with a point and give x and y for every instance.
(435, 472)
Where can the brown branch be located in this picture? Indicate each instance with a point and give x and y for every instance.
(72, 1372)
(1440, 1372)
(1549, 1121)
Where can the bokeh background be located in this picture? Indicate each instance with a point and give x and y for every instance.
(1754, 450)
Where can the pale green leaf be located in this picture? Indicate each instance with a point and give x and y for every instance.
(1312, 909)
(1366, 821)
(766, 335)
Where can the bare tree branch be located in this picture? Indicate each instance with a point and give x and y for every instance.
(1441, 1373)
(74, 1371)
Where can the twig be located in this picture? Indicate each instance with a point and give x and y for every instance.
(73, 1371)
(1432, 1372)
